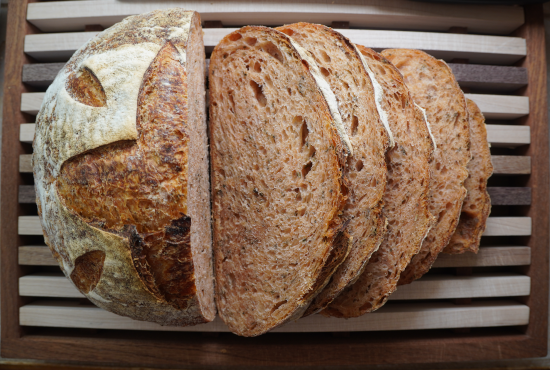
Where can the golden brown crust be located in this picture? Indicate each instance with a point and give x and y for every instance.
(434, 88)
(477, 204)
(112, 171)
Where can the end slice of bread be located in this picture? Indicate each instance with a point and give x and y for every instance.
(405, 199)
(477, 204)
(277, 159)
(435, 89)
(342, 68)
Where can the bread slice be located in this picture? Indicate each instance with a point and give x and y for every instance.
(405, 199)
(122, 175)
(277, 179)
(341, 66)
(435, 89)
(477, 204)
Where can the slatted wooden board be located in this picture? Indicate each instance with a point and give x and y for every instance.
(498, 297)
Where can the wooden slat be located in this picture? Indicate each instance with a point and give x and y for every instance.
(26, 132)
(509, 196)
(501, 106)
(500, 50)
(496, 226)
(509, 136)
(27, 194)
(492, 106)
(474, 76)
(494, 78)
(25, 165)
(40, 255)
(396, 14)
(410, 316)
(36, 255)
(487, 256)
(511, 165)
(428, 287)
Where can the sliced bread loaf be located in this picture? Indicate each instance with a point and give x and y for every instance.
(277, 179)
(435, 89)
(341, 66)
(405, 199)
(477, 204)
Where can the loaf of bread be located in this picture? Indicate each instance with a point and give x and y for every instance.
(121, 170)
(278, 150)
(477, 204)
(342, 67)
(405, 199)
(434, 88)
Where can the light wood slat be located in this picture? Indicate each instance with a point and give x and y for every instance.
(474, 76)
(509, 136)
(508, 226)
(36, 255)
(26, 132)
(487, 256)
(498, 135)
(429, 287)
(395, 14)
(492, 106)
(511, 165)
(25, 165)
(500, 50)
(435, 315)
(501, 106)
(496, 226)
(40, 255)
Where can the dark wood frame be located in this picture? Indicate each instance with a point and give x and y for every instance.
(184, 349)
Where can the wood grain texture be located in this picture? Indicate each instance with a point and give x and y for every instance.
(511, 165)
(40, 255)
(25, 165)
(508, 196)
(26, 132)
(27, 194)
(487, 256)
(394, 14)
(495, 78)
(500, 50)
(501, 106)
(496, 226)
(36, 255)
(56, 285)
(390, 317)
(474, 76)
(508, 136)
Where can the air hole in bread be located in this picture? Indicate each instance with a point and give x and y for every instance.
(325, 56)
(312, 151)
(298, 194)
(87, 270)
(277, 305)
(287, 31)
(232, 101)
(325, 72)
(84, 87)
(306, 64)
(304, 133)
(381, 70)
(359, 165)
(235, 36)
(258, 93)
(272, 50)
(257, 67)
(251, 41)
(354, 125)
(289, 90)
(306, 169)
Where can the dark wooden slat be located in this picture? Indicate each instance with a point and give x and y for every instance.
(500, 196)
(36, 255)
(40, 74)
(508, 196)
(494, 78)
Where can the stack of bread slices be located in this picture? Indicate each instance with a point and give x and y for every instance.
(336, 173)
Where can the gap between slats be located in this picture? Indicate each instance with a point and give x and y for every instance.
(394, 14)
(500, 50)
(410, 316)
(496, 226)
(40, 255)
(493, 106)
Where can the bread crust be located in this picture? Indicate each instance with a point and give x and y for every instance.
(344, 71)
(434, 88)
(405, 199)
(129, 257)
(477, 204)
(250, 70)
